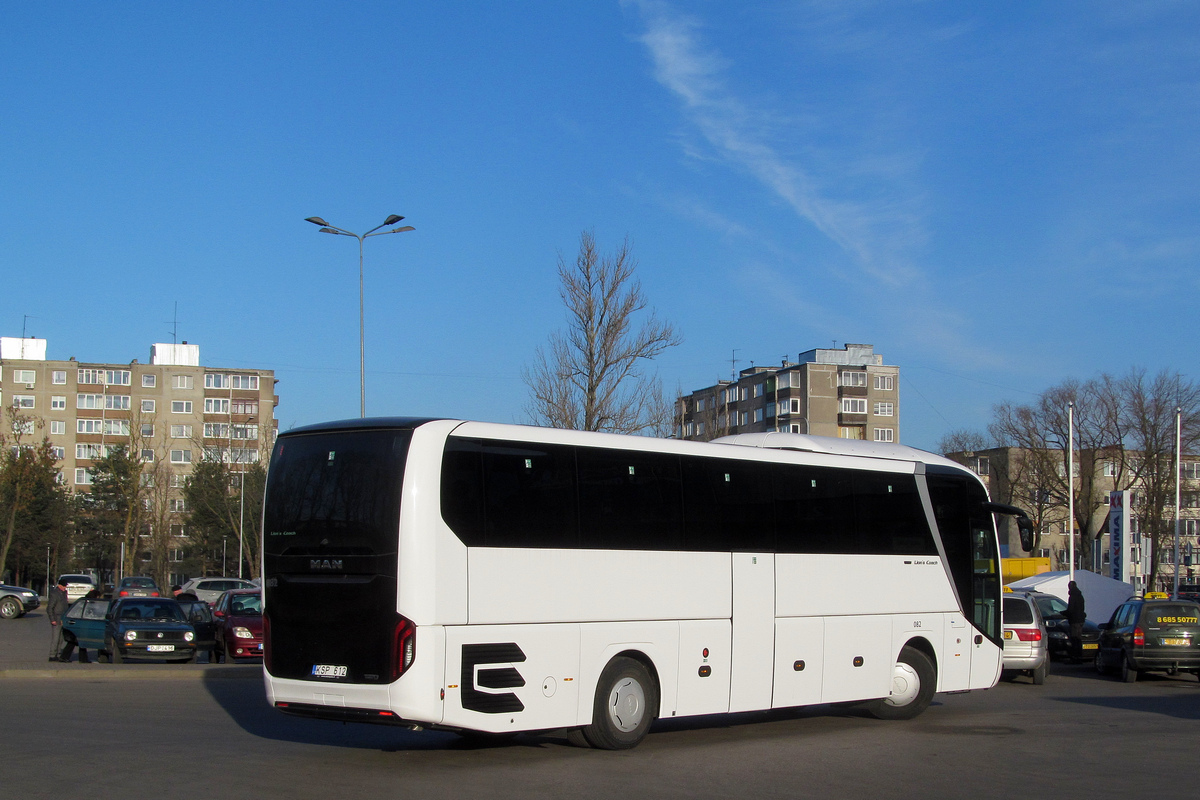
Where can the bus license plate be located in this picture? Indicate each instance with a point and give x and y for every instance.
(160, 648)
(1176, 642)
(329, 671)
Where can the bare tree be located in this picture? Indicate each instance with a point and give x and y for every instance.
(963, 440)
(591, 376)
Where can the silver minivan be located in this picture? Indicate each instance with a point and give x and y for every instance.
(1026, 650)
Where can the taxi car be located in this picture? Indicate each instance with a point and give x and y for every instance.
(1026, 649)
(1150, 635)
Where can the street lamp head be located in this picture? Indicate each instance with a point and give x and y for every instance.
(326, 230)
(392, 220)
(316, 220)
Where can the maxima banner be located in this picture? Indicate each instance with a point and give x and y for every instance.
(1118, 532)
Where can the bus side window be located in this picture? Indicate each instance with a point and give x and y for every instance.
(629, 500)
(462, 490)
(815, 510)
(728, 505)
(529, 495)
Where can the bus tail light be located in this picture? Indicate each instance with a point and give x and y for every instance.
(404, 647)
(1139, 637)
(1029, 634)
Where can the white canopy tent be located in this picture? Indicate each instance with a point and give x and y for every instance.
(1101, 595)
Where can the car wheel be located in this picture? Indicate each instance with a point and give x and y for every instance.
(1128, 673)
(913, 681)
(1103, 670)
(625, 705)
(10, 608)
(1039, 674)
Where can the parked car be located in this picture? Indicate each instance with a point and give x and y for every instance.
(136, 587)
(1188, 591)
(1150, 636)
(83, 624)
(210, 589)
(150, 628)
(1026, 650)
(16, 601)
(200, 615)
(1058, 630)
(77, 586)
(239, 625)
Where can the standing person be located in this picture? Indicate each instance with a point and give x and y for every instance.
(56, 606)
(1075, 618)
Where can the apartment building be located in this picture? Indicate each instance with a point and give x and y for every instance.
(171, 408)
(848, 392)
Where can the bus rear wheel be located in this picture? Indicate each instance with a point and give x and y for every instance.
(913, 681)
(625, 705)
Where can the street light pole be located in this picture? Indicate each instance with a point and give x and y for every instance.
(362, 350)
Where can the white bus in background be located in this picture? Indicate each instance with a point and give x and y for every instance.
(492, 578)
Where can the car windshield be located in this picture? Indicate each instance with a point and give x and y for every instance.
(141, 583)
(245, 605)
(152, 611)
(1051, 606)
(77, 579)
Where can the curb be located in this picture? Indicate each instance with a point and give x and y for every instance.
(93, 672)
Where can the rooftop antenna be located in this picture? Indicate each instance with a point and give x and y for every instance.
(733, 366)
(175, 324)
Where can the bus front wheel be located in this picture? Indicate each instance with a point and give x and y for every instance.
(913, 681)
(626, 703)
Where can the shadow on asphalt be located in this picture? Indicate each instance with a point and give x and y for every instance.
(246, 703)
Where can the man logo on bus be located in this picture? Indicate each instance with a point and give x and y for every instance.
(495, 677)
(328, 563)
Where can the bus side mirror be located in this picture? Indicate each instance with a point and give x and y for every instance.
(1024, 523)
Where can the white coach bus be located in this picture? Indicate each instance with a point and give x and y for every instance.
(491, 578)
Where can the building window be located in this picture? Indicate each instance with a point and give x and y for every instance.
(744, 418)
(758, 415)
(89, 400)
(852, 378)
(742, 393)
(94, 426)
(245, 382)
(1190, 470)
(854, 405)
(116, 427)
(851, 432)
(22, 401)
(884, 383)
(176, 505)
(215, 380)
(89, 451)
(82, 477)
(58, 403)
(26, 376)
(884, 409)
(147, 454)
(181, 382)
(58, 376)
(181, 456)
(770, 411)
(216, 430)
(147, 406)
(181, 431)
(118, 402)
(59, 453)
(758, 390)
(117, 377)
(885, 435)
(149, 381)
(216, 405)
(244, 406)
(58, 427)
(147, 430)
(88, 376)
(181, 406)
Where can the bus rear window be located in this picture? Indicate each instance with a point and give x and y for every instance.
(335, 492)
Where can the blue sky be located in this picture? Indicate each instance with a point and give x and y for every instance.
(997, 196)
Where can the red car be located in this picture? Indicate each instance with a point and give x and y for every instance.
(238, 615)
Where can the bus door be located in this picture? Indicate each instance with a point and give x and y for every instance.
(752, 672)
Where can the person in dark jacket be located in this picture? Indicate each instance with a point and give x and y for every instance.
(1075, 618)
(56, 606)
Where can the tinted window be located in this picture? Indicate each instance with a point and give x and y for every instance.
(728, 505)
(629, 499)
(969, 538)
(335, 493)
(1017, 612)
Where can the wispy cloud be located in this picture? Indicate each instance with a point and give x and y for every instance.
(876, 233)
